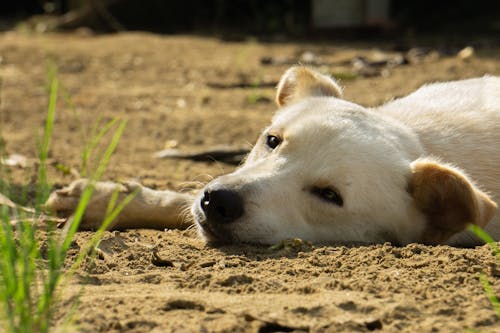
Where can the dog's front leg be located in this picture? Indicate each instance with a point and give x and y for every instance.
(148, 208)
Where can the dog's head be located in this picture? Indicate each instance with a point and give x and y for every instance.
(330, 170)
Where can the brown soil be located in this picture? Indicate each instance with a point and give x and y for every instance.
(186, 91)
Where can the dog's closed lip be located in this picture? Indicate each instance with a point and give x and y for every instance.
(214, 236)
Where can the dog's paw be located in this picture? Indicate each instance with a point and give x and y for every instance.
(130, 187)
(65, 201)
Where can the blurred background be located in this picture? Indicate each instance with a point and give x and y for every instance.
(265, 19)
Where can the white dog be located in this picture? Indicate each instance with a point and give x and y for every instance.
(417, 169)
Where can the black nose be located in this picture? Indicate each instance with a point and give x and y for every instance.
(222, 206)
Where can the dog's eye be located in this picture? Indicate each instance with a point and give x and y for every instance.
(328, 194)
(273, 141)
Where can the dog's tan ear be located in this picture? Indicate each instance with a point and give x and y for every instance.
(448, 199)
(299, 82)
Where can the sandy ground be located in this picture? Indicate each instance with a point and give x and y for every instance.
(193, 92)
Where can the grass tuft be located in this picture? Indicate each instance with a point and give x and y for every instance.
(30, 276)
(490, 293)
(479, 232)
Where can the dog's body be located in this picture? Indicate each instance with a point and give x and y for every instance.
(328, 170)
(458, 123)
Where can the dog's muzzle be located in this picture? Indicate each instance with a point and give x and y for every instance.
(221, 206)
(215, 213)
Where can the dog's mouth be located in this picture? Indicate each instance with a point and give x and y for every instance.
(215, 235)
(211, 233)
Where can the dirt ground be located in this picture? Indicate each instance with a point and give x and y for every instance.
(195, 92)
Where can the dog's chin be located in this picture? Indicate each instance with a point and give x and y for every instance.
(220, 234)
(213, 236)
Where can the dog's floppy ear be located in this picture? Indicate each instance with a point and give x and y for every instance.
(299, 82)
(448, 199)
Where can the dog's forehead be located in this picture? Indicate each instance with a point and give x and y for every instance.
(323, 117)
(341, 127)
(314, 108)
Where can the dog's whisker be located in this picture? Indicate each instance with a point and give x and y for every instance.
(190, 185)
(204, 176)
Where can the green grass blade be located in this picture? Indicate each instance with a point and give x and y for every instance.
(43, 189)
(92, 144)
(490, 293)
(110, 217)
(479, 232)
(8, 273)
(28, 249)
